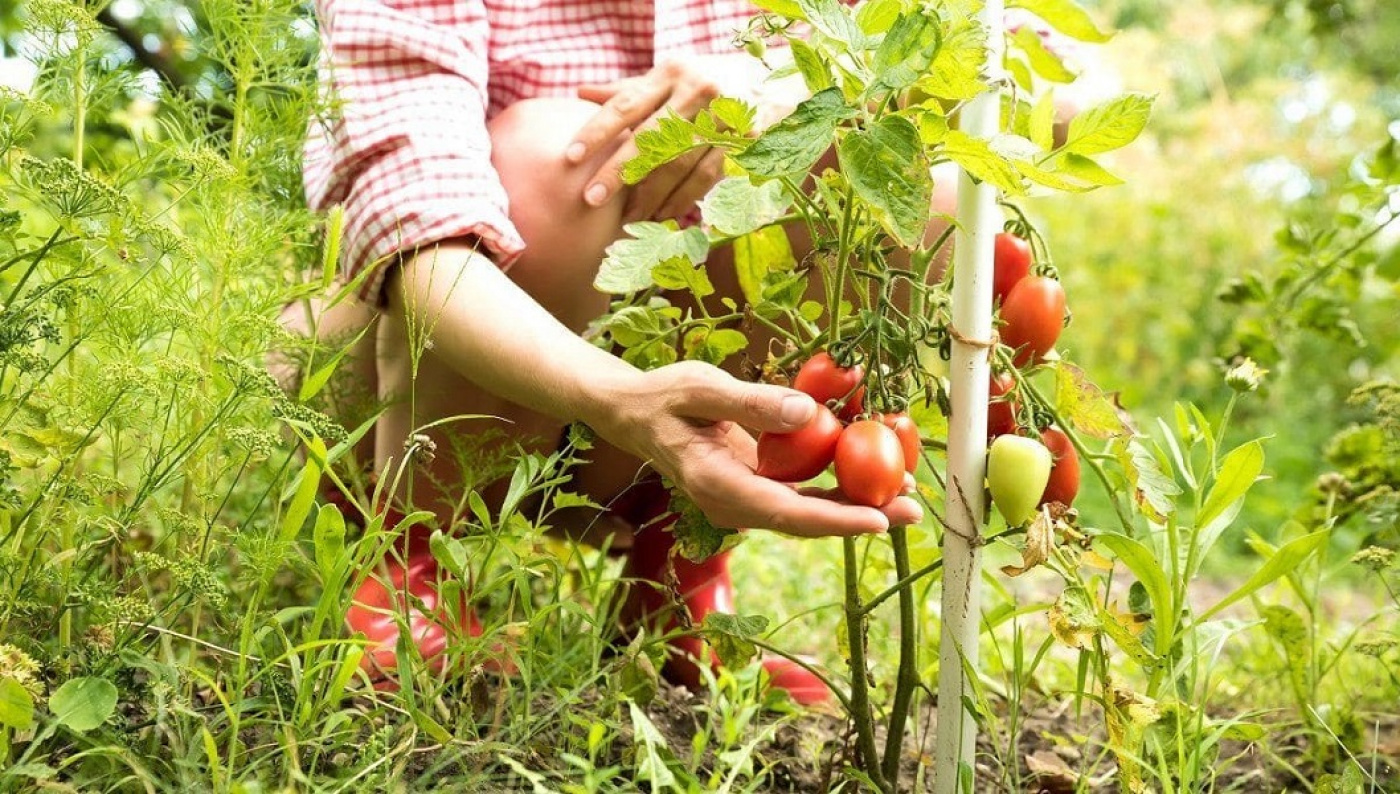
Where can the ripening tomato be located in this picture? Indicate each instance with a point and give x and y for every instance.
(1017, 471)
(908, 434)
(801, 454)
(1034, 312)
(1011, 262)
(1001, 413)
(869, 463)
(821, 378)
(1064, 473)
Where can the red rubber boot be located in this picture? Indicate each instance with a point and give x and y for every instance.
(704, 587)
(380, 600)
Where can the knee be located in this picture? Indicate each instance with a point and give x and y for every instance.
(545, 191)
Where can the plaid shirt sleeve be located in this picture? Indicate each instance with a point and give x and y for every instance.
(405, 149)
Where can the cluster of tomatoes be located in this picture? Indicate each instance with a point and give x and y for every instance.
(1025, 474)
(871, 455)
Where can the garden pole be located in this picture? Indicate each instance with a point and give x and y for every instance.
(978, 222)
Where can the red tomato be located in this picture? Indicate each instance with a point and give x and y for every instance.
(1012, 262)
(869, 463)
(821, 378)
(908, 434)
(1001, 414)
(1064, 474)
(1034, 312)
(801, 454)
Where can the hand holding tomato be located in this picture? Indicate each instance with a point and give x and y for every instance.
(688, 421)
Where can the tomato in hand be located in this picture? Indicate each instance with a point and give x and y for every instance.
(869, 463)
(1064, 473)
(1017, 470)
(908, 434)
(801, 454)
(821, 378)
(1034, 312)
(1011, 262)
(1001, 413)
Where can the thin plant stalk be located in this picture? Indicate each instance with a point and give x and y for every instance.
(970, 375)
(861, 712)
(907, 677)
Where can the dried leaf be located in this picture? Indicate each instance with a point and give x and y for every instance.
(1040, 541)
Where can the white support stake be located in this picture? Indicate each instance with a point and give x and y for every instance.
(979, 220)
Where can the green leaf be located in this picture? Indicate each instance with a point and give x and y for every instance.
(956, 71)
(730, 636)
(1238, 472)
(877, 16)
(16, 705)
(757, 254)
(651, 751)
(450, 553)
(792, 146)
(1087, 171)
(1149, 573)
(713, 346)
(328, 539)
(82, 704)
(1289, 556)
(737, 206)
(316, 381)
(832, 19)
(908, 49)
(1045, 63)
(1287, 628)
(677, 273)
(735, 114)
(1042, 121)
(1153, 491)
(787, 8)
(697, 538)
(977, 158)
(809, 63)
(1065, 16)
(1109, 126)
(304, 498)
(672, 137)
(886, 165)
(627, 263)
(1084, 406)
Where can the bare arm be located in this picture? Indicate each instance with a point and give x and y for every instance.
(685, 419)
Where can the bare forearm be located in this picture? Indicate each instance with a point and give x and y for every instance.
(497, 336)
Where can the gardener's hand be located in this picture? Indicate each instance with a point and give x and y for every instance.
(688, 421)
(636, 103)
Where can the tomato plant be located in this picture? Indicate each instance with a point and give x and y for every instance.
(825, 380)
(908, 433)
(1001, 412)
(1017, 470)
(869, 463)
(1034, 312)
(801, 454)
(1063, 485)
(1011, 262)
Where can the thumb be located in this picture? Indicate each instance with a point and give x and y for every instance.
(759, 406)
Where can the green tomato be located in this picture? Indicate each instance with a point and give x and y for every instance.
(1018, 470)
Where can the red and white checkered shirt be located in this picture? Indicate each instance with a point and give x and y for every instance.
(413, 83)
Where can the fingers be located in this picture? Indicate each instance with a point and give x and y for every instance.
(739, 498)
(634, 106)
(705, 172)
(705, 392)
(629, 104)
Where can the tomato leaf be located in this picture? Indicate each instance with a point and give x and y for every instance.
(672, 137)
(737, 206)
(1109, 126)
(627, 264)
(977, 158)
(793, 145)
(1288, 557)
(1154, 491)
(713, 346)
(809, 63)
(877, 16)
(888, 170)
(1065, 16)
(735, 114)
(82, 704)
(1149, 573)
(1045, 63)
(677, 273)
(757, 254)
(956, 71)
(832, 19)
(1085, 406)
(1041, 129)
(907, 50)
(1086, 171)
(730, 636)
(697, 538)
